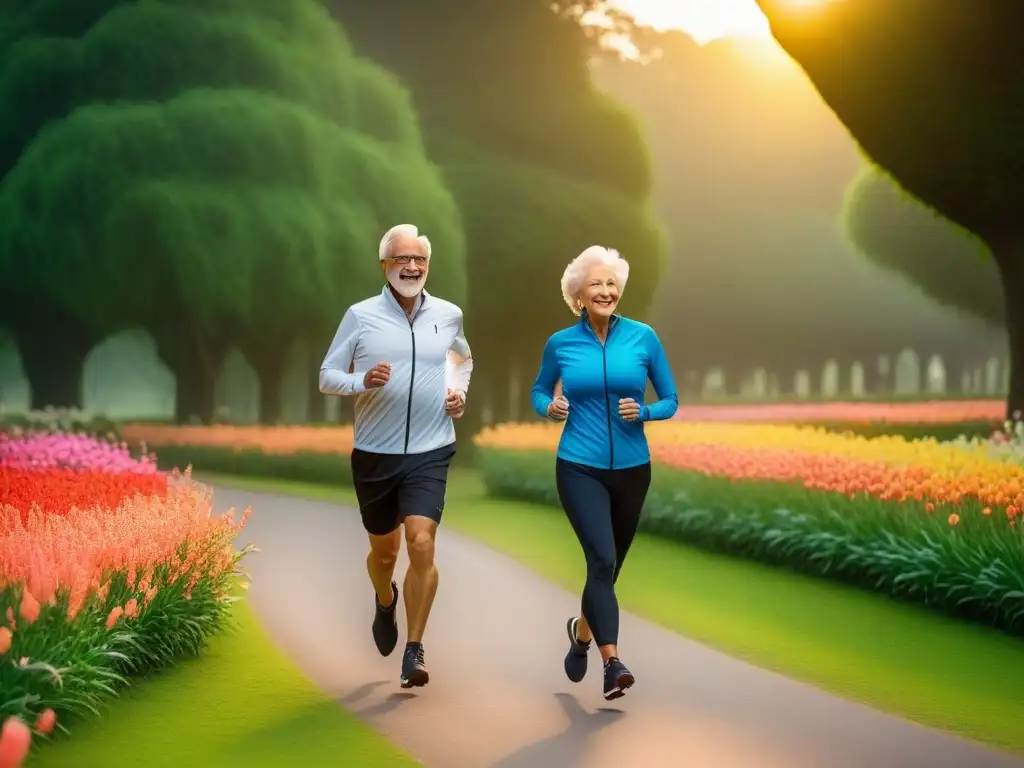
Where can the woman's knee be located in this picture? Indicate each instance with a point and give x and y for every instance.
(601, 567)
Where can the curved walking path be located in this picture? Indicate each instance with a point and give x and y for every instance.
(498, 695)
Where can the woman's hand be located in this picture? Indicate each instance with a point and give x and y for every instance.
(558, 410)
(629, 409)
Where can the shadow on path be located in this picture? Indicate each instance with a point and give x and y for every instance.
(568, 748)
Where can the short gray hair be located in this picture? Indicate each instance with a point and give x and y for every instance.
(402, 230)
(576, 272)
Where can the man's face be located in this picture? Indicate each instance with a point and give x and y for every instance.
(407, 266)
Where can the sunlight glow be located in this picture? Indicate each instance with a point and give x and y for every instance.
(704, 20)
(707, 20)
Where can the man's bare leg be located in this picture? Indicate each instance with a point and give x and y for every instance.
(380, 565)
(421, 578)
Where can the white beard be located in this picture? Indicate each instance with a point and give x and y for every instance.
(406, 288)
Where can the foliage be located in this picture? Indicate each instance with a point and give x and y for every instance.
(736, 177)
(59, 419)
(541, 162)
(931, 93)
(901, 234)
(211, 200)
(107, 571)
(922, 520)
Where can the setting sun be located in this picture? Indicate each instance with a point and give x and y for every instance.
(704, 20)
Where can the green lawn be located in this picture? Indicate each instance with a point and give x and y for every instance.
(892, 656)
(243, 704)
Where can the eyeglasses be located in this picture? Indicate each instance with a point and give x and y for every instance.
(419, 261)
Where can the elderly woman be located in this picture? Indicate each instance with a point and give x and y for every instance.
(603, 468)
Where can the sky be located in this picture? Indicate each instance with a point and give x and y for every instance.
(704, 20)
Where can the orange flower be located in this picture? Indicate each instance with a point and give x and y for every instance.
(46, 721)
(131, 609)
(954, 519)
(271, 440)
(29, 610)
(115, 614)
(15, 740)
(6, 637)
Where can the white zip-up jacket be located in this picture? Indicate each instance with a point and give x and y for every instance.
(407, 414)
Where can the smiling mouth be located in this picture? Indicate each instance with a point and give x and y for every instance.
(410, 278)
(603, 302)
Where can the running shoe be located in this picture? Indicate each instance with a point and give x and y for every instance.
(616, 679)
(385, 623)
(576, 658)
(414, 670)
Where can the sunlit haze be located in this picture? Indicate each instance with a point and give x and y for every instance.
(704, 20)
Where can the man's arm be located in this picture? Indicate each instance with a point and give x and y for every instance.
(336, 376)
(461, 363)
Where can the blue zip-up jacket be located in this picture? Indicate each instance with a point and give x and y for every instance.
(594, 377)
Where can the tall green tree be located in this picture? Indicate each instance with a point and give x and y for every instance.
(945, 261)
(751, 162)
(214, 200)
(542, 162)
(931, 92)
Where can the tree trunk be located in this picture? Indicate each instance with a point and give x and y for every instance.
(53, 349)
(195, 362)
(194, 393)
(316, 403)
(1009, 255)
(271, 393)
(268, 359)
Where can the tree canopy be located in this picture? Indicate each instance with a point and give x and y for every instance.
(752, 170)
(932, 93)
(214, 201)
(541, 161)
(906, 237)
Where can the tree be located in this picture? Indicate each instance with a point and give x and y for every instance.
(536, 155)
(752, 169)
(900, 234)
(931, 92)
(215, 201)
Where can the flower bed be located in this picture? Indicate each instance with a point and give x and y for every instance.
(108, 569)
(923, 520)
(305, 454)
(926, 412)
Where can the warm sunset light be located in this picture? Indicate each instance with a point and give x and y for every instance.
(704, 20)
(707, 20)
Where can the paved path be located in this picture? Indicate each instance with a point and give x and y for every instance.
(498, 696)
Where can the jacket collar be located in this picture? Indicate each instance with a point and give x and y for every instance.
(391, 301)
(587, 328)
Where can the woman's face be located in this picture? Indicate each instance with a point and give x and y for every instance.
(600, 292)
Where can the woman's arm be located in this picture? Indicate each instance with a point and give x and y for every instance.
(544, 385)
(663, 381)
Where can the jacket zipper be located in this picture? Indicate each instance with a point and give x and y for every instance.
(412, 382)
(607, 400)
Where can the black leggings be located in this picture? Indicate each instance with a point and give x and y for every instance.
(604, 508)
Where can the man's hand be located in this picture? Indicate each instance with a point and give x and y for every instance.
(377, 376)
(629, 409)
(558, 410)
(454, 404)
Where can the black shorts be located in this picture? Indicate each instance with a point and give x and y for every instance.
(393, 486)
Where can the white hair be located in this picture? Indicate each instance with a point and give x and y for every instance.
(402, 230)
(579, 268)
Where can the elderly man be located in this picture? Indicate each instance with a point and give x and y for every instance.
(404, 356)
